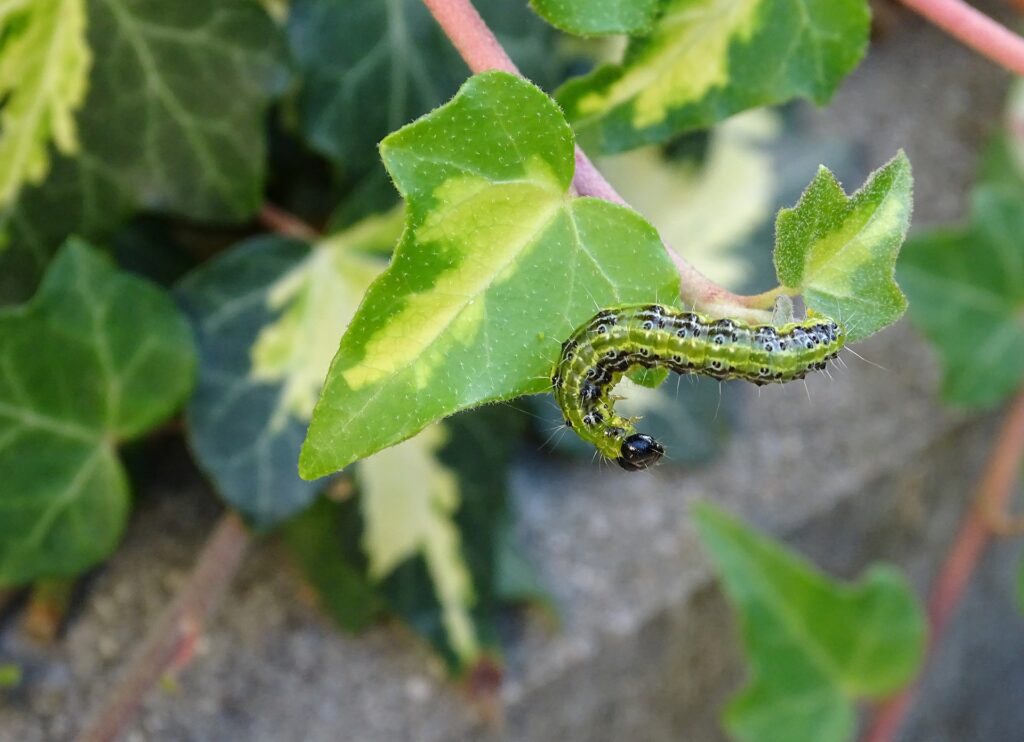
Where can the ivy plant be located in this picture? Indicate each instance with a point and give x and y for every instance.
(309, 230)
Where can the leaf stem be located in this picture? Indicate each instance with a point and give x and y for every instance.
(974, 29)
(285, 223)
(482, 51)
(992, 495)
(171, 642)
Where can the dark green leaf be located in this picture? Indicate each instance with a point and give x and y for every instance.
(966, 289)
(97, 357)
(268, 315)
(814, 646)
(174, 121)
(370, 66)
(324, 539)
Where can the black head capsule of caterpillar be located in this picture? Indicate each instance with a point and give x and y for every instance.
(639, 451)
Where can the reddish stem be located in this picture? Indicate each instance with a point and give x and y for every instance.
(285, 223)
(974, 29)
(171, 642)
(482, 51)
(992, 496)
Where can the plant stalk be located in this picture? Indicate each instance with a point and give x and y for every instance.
(992, 495)
(171, 642)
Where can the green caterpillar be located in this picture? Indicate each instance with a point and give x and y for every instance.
(617, 340)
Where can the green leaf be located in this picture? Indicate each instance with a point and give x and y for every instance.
(10, 675)
(454, 577)
(966, 288)
(599, 17)
(97, 357)
(708, 59)
(324, 539)
(44, 71)
(370, 66)
(840, 251)
(497, 264)
(267, 316)
(814, 646)
(174, 120)
(409, 500)
(431, 514)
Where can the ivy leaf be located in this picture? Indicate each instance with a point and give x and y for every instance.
(840, 251)
(490, 224)
(267, 316)
(189, 137)
(599, 17)
(708, 59)
(368, 67)
(431, 515)
(44, 70)
(324, 541)
(966, 288)
(96, 358)
(815, 646)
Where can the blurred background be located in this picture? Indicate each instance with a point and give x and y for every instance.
(602, 619)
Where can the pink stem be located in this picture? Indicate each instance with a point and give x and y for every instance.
(974, 29)
(482, 51)
(991, 499)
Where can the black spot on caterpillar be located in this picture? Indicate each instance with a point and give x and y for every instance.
(618, 340)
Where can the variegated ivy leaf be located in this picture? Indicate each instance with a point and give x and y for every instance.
(426, 536)
(498, 263)
(174, 120)
(599, 17)
(268, 315)
(44, 72)
(409, 501)
(815, 646)
(96, 358)
(708, 59)
(840, 251)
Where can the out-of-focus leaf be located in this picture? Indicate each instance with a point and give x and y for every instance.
(814, 646)
(268, 315)
(10, 675)
(840, 251)
(708, 59)
(174, 121)
(324, 540)
(432, 518)
(44, 73)
(370, 66)
(599, 17)
(966, 289)
(97, 357)
(496, 266)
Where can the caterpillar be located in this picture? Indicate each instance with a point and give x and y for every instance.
(617, 340)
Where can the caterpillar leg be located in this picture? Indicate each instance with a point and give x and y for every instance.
(639, 451)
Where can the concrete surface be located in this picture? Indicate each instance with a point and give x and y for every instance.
(872, 468)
